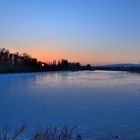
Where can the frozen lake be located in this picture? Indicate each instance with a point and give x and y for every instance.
(93, 100)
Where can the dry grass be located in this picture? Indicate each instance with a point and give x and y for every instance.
(9, 133)
(21, 133)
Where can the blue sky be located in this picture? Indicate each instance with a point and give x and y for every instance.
(89, 31)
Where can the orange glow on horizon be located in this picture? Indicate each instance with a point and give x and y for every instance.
(49, 55)
(83, 59)
(92, 56)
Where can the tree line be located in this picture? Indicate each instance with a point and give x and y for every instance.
(16, 62)
(66, 65)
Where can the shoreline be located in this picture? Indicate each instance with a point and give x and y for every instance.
(29, 72)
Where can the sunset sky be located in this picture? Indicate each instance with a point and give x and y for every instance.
(89, 31)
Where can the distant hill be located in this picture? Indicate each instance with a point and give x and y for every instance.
(122, 65)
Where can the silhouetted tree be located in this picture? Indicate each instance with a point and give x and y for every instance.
(15, 62)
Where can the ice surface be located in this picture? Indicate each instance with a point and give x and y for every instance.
(95, 101)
